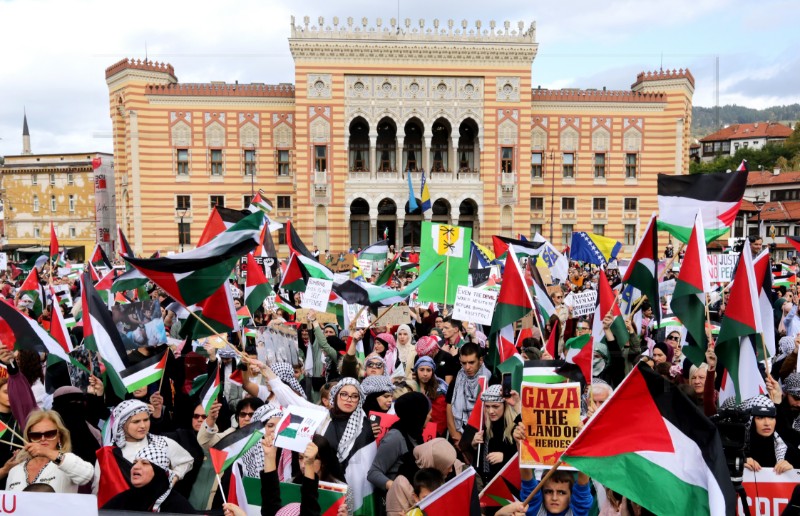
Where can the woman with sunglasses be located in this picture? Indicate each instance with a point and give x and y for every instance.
(197, 483)
(47, 457)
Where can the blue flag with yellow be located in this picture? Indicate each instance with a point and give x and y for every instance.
(425, 195)
(591, 248)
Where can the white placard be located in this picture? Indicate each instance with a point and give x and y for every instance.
(720, 267)
(3, 261)
(30, 504)
(475, 305)
(366, 267)
(297, 427)
(666, 288)
(317, 294)
(363, 319)
(582, 303)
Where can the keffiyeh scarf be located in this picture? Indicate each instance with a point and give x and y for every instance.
(121, 414)
(286, 373)
(465, 394)
(157, 454)
(354, 423)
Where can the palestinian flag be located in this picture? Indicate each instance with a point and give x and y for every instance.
(607, 302)
(145, 372)
(476, 416)
(642, 272)
(125, 248)
(220, 220)
(386, 273)
(766, 298)
(256, 288)
(299, 269)
(718, 196)
(784, 276)
(236, 377)
(741, 320)
(243, 313)
(218, 458)
(552, 341)
(520, 247)
(210, 391)
(668, 458)
(514, 301)
(543, 371)
(217, 311)
(376, 252)
(689, 299)
(545, 304)
(21, 332)
(743, 166)
(367, 294)
(53, 243)
(58, 326)
(237, 443)
(99, 258)
(505, 343)
(580, 352)
(295, 244)
(260, 202)
(100, 334)
(280, 304)
(32, 288)
(193, 276)
(329, 496)
(515, 366)
(504, 488)
(456, 496)
(290, 426)
(356, 477)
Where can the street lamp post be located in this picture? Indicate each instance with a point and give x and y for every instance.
(181, 212)
(759, 204)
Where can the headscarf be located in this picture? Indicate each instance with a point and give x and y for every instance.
(437, 453)
(599, 364)
(121, 414)
(253, 459)
(390, 355)
(493, 394)
(427, 347)
(70, 404)
(375, 356)
(759, 446)
(286, 373)
(412, 409)
(354, 422)
(465, 394)
(266, 412)
(786, 346)
(666, 349)
(158, 457)
(292, 509)
(376, 384)
(424, 361)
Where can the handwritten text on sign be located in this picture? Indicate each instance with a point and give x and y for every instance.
(317, 294)
(474, 305)
(551, 414)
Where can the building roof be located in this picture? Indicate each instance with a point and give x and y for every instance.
(590, 95)
(222, 89)
(664, 75)
(749, 131)
(775, 211)
(138, 64)
(768, 178)
(25, 131)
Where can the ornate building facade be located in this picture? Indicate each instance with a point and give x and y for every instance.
(372, 104)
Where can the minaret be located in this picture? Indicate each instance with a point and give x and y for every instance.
(26, 135)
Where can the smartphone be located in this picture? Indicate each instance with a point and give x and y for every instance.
(506, 385)
(373, 418)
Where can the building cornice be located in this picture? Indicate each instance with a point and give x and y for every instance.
(192, 100)
(571, 107)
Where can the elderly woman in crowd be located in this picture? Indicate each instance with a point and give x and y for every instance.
(47, 457)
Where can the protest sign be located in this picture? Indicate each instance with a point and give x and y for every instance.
(297, 427)
(394, 315)
(317, 294)
(479, 276)
(385, 421)
(474, 305)
(768, 493)
(3, 261)
(363, 319)
(24, 503)
(276, 343)
(329, 495)
(551, 414)
(322, 317)
(582, 303)
(367, 267)
(720, 267)
(666, 288)
(141, 322)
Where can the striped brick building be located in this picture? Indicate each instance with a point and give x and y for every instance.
(373, 103)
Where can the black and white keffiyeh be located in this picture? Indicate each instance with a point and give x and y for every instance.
(465, 394)
(354, 423)
(376, 383)
(157, 454)
(121, 414)
(286, 373)
(266, 412)
(493, 394)
(763, 401)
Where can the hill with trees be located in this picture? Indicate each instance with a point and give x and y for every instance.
(704, 120)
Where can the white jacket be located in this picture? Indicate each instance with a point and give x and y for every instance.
(66, 478)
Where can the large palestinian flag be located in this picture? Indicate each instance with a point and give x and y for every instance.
(220, 220)
(718, 196)
(193, 276)
(256, 288)
(367, 294)
(299, 269)
(19, 331)
(668, 458)
(641, 272)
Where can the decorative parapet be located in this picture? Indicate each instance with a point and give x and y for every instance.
(478, 33)
(578, 95)
(664, 75)
(138, 64)
(222, 90)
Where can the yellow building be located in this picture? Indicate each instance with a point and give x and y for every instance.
(38, 189)
(371, 104)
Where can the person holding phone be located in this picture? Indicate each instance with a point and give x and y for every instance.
(492, 446)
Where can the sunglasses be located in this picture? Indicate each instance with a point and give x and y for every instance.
(47, 435)
(246, 414)
(201, 417)
(672, 337)
(375, 365)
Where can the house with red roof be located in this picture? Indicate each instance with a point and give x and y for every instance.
(730, 139)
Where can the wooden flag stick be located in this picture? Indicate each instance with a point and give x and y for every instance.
(16, 434)
(446, 276)
(12, 444)
(766, 358)
(215, 332)
(542, 482)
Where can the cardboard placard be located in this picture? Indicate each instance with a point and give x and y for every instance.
(363, 319)
(344, 263)
(475, 305)
(297, 427)
(551, 414)
(395, 315)
(582, 303)
(22, 503)
(385, 421)
(666, 288)
(322, 317)
(317, 294)
(720, 267)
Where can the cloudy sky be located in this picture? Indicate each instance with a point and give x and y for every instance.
(53, 53)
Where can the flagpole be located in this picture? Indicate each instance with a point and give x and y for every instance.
(221, 489)
(671, 261)
(215, 333)
(767, 368)
(542, 482)
(446, 276)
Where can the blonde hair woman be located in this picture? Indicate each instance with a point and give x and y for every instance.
(48, 458)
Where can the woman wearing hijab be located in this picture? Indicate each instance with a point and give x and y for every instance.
(70, 403)
(47, 457)
(378, 397)
(349, 429)
(764, 447)
(186, 436)
(151, 482)
(130, 434)
(386, 347)
(395, 453)
(406, 351)
(497, 436)
(434, 388)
